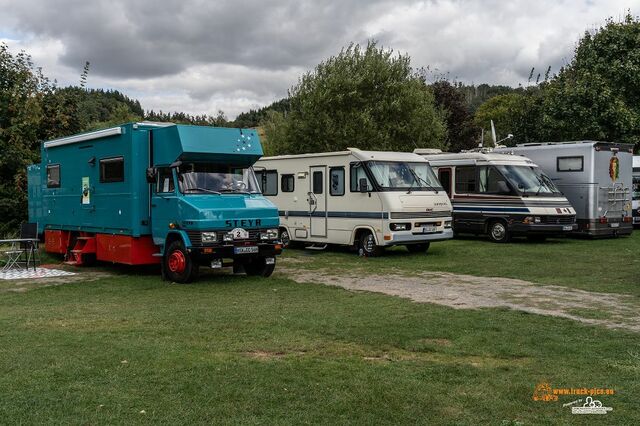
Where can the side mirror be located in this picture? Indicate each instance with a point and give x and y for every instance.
(152, 174)
(503, 188)
(363, 186)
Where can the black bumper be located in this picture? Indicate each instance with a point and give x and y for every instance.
(519, 228)
(205, 254)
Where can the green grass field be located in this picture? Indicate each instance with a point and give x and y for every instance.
(130, 348)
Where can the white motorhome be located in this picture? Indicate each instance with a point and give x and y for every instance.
(501, 195)
(366, 199)
(635, 203)
(595, 176)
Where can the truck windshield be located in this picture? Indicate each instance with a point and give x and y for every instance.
(400, 175)
(209, 178)
(529, 180)
(636, 187)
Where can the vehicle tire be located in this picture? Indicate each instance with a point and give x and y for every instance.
(177, 264)
(418, 248)
(258, 268)
(367, 245)
(498, 231)
(537, 238)
(285, 239)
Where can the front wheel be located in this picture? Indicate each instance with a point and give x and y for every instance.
(367, 245)
(259, 267)
(285, 239)
(418, 248)
(177, 264)
(498, 232)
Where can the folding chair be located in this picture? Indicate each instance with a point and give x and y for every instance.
(23, 250)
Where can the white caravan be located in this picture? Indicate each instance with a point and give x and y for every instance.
(366, 199)
(501, 195)
(595, 176)
(636, 190)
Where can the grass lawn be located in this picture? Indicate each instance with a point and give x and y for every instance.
(130, 348)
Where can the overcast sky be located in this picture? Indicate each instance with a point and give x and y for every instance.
(200, 56)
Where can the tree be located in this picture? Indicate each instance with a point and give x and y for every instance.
(367, 98)
(461, 130)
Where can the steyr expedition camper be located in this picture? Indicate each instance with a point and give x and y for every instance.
(501, 195)
(636, 191)
(148, 193)
(594, 176)
(366, 199)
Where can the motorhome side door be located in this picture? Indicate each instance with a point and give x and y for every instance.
(317, 197)
(444, 176)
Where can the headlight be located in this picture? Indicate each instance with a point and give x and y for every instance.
(209, 237)
(536, 219)
(447, 224)
(269, 234)
(228, 237)
(399, 226)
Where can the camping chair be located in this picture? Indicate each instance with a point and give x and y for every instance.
(23, 250)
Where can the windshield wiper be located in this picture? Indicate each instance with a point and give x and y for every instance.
(238, 191)
(418, 178)
(201, 189)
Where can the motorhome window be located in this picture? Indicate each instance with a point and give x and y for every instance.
(287, 183)
(268, 180)
(356, 173)
(112, 170)
(165, 181)
(444, 176)
(53, 176)
(570, 164)
(491, 181)
(636, 188)
(529, 180)
(216, 178)
(336, 181)
(400, 175)
(317, 182)
(465, 179)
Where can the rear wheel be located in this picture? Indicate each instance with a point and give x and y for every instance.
(418, 248)
(177, 264)
(498, 231)
(259, 267)
(367, 245)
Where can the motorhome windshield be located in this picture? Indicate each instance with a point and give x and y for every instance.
(399, 175)
(529, 180)
(636, 187)
(209, 178)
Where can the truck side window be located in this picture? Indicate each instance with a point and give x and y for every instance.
(356, 172)
(570, 164)
(317, 182)
(465, 179)
(165, 181)
(287, 183)
(336, 181)
(268, 180)
(490, 179)
(53, 176)
(112, 170)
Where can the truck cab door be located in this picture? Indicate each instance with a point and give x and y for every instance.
(164, 204)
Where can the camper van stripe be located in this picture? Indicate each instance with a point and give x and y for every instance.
(489, 209)
(350, 215)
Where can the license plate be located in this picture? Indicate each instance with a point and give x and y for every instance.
(245, 250)
(429, 229)
(567, 228)
(614, 225)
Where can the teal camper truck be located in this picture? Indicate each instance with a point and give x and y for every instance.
(149, 193)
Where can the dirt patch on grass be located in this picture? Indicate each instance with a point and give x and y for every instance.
(22, 285)
(471, 292)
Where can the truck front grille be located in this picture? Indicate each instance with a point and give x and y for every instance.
(558, 220)
(196, 237)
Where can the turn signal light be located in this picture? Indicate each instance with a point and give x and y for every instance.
(627, 219)
(172, 225)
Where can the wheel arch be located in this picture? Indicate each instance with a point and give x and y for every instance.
(359, 230)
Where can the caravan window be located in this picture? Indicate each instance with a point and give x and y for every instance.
(465, 179)
(356, 173)
(287, 183)
(570, 164)
(336, 181)
(112, 170)
(53, 176)
(165, 180)
(268, 180)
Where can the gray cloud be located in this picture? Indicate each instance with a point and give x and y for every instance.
(200, 56)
